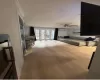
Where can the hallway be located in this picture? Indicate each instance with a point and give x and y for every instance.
(56, 60)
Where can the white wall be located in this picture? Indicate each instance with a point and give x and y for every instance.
(19, 9)
(73, 32)
(62, 32)
(9, 25)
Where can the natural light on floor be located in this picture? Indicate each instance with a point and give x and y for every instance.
(47, 43)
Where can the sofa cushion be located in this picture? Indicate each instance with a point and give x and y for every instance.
(89, 39)
(77, 38)
(79, 42)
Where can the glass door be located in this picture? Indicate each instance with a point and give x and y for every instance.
(52, 34)
(48, 34)
(37, 32)
(44, 34)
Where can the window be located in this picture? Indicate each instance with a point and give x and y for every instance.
(44, 33)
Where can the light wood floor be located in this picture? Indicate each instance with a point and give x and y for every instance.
(57, 60)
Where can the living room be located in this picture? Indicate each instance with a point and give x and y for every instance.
(48, 41)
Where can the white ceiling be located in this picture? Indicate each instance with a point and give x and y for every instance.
(52, 13)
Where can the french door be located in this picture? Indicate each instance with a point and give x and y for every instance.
(44, 33)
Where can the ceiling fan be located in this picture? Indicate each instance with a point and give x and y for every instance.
(67, 25)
